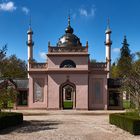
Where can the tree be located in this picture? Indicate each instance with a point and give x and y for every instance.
(11, 67)
(129, 71)
(2, 58)
(15, 68)
(125, 61)
(131, 84)
(8, 94)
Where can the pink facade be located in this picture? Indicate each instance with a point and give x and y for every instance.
(84, 77)
(68, 80)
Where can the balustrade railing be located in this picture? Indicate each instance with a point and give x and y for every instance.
(38, 65)
(98, 65)
(67, 49)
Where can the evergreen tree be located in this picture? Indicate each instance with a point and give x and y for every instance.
(125, 60)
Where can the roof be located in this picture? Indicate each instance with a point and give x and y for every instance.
(22, 83)
(19, 83)
(69, 39)
(114, 83)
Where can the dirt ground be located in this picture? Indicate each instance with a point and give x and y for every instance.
(66, 125)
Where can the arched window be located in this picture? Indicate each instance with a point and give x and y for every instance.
(67, 64)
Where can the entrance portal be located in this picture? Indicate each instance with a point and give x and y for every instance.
(67, 96)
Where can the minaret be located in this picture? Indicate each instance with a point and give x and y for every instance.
(30, 45)
(108, 44)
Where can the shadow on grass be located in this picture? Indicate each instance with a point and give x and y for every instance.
(31, 126)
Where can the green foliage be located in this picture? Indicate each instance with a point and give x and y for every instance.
(114, 71)
(8, 119)
(129, 71)
(68, 104)
(10, 104)
(11, 67)
(2, 58)
(125, 51)
(126, 104)
(124, 66)
(8, 96)
(127, 121)
(125, 61)
(131, 85)
(14, 68)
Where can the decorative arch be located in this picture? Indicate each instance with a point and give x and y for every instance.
(72, 87)
(67, 64)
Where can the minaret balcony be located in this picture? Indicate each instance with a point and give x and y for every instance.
(30, 43)
(108, 42)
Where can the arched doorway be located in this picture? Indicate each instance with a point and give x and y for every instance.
(67, 96)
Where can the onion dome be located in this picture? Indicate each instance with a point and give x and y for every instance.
(30, 31)
(69, 39)
(69, 29)
(108, 31)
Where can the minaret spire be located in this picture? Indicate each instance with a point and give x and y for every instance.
(69, 29)
(30, 22)
(69, 19)
(108, 23)
(108, 44)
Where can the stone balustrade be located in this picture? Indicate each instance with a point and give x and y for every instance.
(38, 65)
(100, 66)
(66, 49)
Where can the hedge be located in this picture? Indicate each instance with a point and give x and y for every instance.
(8, 119)
(129, 122)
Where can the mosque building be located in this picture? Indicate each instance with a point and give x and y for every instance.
(68, 79)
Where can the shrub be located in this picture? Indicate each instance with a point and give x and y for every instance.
(127, 121)
(8, 119)
(8, 96)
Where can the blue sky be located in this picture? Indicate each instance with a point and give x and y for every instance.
(88, 19)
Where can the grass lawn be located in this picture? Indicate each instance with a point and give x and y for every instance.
(68, 104)
(126, 104)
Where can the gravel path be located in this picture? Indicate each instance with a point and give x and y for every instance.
(66, 126)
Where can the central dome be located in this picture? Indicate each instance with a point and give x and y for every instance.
(69, 39)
